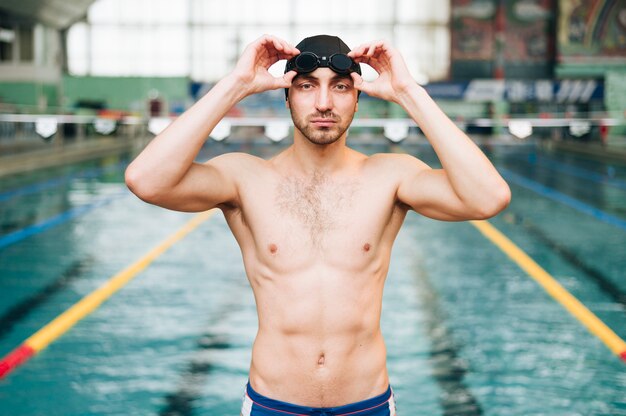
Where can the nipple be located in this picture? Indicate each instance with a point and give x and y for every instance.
(273, 248)
(366, 247)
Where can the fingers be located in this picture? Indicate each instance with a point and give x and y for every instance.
(286, 47)
(375, 49)
(377, 54)
(360, 84)
(370, 49)
(276, 47)
(288, 79)
(284, 81)
(357, 80)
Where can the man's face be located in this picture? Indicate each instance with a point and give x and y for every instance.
(322, 105)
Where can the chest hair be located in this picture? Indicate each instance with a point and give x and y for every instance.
(318, 203)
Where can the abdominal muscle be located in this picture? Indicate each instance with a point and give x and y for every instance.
(319, 342)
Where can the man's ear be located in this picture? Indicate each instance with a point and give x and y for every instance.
(287, 103)
(356, 106)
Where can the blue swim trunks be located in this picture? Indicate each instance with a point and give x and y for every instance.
(255, 404)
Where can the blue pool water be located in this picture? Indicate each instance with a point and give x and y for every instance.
(468, 332)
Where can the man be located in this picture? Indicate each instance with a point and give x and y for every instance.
(316, 223)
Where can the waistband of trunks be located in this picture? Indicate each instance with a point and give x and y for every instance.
(352, 408)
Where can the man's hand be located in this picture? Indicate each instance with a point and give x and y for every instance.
(252, 68)
(393, 79)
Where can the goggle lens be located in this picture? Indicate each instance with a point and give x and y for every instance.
(340, 62)
(308, 62)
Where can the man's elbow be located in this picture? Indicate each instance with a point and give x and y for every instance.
(139, 184)
(498, 199)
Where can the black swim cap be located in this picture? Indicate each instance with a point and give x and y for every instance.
(324, 46)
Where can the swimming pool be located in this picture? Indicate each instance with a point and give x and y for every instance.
(468, 332)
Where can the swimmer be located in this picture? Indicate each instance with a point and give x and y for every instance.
(316, 223)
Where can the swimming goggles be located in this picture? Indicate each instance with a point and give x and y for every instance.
(308, 62)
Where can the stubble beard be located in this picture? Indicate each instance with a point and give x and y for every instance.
(324, 135)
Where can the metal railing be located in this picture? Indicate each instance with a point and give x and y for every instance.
(59, 129)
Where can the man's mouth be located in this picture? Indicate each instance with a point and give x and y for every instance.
(323, 122)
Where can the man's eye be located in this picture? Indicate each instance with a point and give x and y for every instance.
(306, 86)
(342, 87)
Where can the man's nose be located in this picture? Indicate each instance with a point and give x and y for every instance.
(323, 100)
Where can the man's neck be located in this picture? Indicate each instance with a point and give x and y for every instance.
(312, 158)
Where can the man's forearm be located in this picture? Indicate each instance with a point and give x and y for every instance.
(472, 176)
(169, 156)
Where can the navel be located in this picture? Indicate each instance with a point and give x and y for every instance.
(367, 247)
(321, 360)
(273, 248)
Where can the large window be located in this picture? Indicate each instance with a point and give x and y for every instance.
(7, 40)
(17, 43)
(202, 39)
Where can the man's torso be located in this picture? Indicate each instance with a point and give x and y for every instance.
(316, 250)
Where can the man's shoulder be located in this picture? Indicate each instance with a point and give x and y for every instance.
(236, 161)
(391, 160)
(239, 167)
(394, 166)
(235, 157)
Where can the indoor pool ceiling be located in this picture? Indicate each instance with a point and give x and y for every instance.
(59, 14)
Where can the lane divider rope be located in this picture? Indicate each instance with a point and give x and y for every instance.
(554, 289)
(582, 173)
(56, 328)
(60, 180)
(562, 198)
(30, 230)
(549, 283)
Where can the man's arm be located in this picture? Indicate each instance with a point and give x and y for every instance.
(165, 174)
(468, 186)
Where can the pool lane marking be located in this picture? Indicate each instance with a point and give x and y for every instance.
(590, 175)
(23, 308)
(52, 183)
(562, 198)
(554, 289)
(46, 335)
(18, 235)
(603, 281)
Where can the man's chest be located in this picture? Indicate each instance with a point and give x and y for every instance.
(321, 214)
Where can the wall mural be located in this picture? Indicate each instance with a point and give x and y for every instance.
(525, 25)
(527, 37)
(473, 29)
(589, 29)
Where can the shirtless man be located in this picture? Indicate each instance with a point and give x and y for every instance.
(316, 223)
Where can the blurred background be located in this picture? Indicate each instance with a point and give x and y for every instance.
(539, 85)
(486, 59)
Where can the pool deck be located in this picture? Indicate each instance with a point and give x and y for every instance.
(614, 152)
(50, 156)
(68, 153)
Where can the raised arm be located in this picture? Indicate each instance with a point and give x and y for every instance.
(468, 186)
(165, 173)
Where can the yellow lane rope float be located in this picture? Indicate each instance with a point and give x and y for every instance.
(46, 335)
(554, 289)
